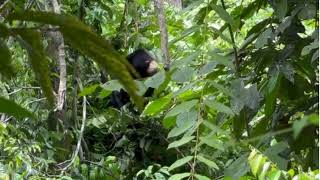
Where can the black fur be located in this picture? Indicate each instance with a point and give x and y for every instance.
(145, 66)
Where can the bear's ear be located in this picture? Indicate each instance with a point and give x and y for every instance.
(137, 55)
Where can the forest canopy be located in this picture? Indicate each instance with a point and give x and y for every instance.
(162, 89)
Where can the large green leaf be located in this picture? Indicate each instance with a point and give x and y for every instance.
(181, 129)
(82, 38)
(280, 8)
(238, 168)
(180, 162)
(183, 107)
(219, 107)
(272, 92)
(223, 14)
(179, 176)
(89, 90)
(184, 34)
(212, 142)
(157, 106)
(13, 109)
(180, 142)
(273, 154)
(208, 162)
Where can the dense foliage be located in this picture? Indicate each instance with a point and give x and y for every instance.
(239, 101)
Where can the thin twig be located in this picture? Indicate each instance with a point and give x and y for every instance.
(84, 117)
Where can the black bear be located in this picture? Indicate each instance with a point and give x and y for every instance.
(145, 66)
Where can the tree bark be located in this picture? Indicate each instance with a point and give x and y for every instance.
(163, 31)
(57, 52)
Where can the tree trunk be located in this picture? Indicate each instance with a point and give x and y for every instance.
(163, 31)
(56, 51)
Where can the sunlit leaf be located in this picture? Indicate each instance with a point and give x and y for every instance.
(88, 90)
(157, 106)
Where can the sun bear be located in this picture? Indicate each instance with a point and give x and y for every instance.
(145, 66)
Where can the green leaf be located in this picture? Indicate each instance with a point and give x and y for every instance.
(183, 74)
(180, 162)
(284, 25)
(39, 62)
(201, 177)
(185, 61)
(157, 106)
(218, 33)
(218, 106)
(184, 34)
(203, 12)
(208, 162)
(13, 109)
(299, 125)
(212, 142)
(238, 168)
(169, 122)
(88, 90)
(181, 129)
(183, 107)
(179, 176)
(272, 92)
(180, 142)
(6, 67)
(308, 11)
(156, 80)
(263, 38)
(273, 154)
(223, 14)
(306, 50)
(221, 88)
(221, 59)
(112, 85)
(207, 68)
(244, 96)
(280, 8)
(256, 162)
(275, 175)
